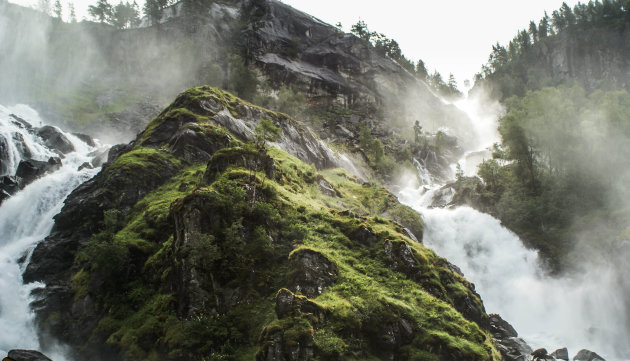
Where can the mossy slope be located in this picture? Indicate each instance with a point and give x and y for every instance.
(246, 252)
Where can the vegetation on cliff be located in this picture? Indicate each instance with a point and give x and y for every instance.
(585, 45)
(560, 164)
(246, 252)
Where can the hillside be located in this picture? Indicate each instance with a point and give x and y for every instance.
(560, 168)
(266, 52)
(198, 241)
(585, 45)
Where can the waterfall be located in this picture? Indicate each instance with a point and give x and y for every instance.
(584, 310)
(27, 218)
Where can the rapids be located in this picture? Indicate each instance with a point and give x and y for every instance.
(576, 311)
(26, 218)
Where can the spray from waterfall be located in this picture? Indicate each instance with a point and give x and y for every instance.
(26, 218)
(585, 309)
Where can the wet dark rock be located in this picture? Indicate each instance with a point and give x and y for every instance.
(402, 259)
(512, 347)
(290, 304)
(540, 354)
(85, 165)
(277, 347)
(55, 140)
(117, 150)
(191, 144)
(363, 235)
(344, 132)
(22, 148)
(407, 232)
(99, 157)
(21, 122)
(85, 139)
(326, 188)
(4, 156)
(30, 170)
(392, 336)
(9, 184)
(453, 268)
(311, 272)
(587, 355)
(249, 159)
(500, 328)
(4, 195)
(560, 354)
(27, 355)
(83, 213)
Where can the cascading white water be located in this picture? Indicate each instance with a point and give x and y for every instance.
(586, 310)
(27, 218)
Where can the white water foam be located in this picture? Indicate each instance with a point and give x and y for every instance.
(27, 218)
(585, 310)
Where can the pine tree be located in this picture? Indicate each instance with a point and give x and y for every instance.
(543, 27)
(421, 70)
(58, 9)
(101, 12)
(125, 15)
(154, 9)
(361, 30)
(73, 14)
(533, 31)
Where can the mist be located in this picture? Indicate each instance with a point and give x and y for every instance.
(109, 83)
(586, 304)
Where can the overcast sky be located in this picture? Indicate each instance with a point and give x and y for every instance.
(452, 36)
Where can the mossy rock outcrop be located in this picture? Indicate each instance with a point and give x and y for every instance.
(198, 245)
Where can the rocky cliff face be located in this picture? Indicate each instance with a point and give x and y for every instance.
(193, 242)
(115, 80)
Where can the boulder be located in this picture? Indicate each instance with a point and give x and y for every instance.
(290, 304)
(560, 354)
(4, 155)
(55, 139)
(402, 259)
(194, 145)
(363, 236)
(9, 184)
(85, 139)
(540, 354)
(99, 157)
(500, 328)
(311, 272)
(512, 348)
(117, 150)
(326, 188)
(391, 336)
(30, 170)
(27, 355)
(286, 342)
(22, 148)
(4, 195)
(20, 122)
(85, 165)
(407, 232)
(587, 355)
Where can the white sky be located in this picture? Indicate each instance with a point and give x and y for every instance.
(452, 36)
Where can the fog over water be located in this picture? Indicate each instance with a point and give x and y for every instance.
(26, 218)
(581, 309)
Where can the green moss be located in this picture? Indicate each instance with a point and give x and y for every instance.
(146, 160)
(245, 244)
(80, 282)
